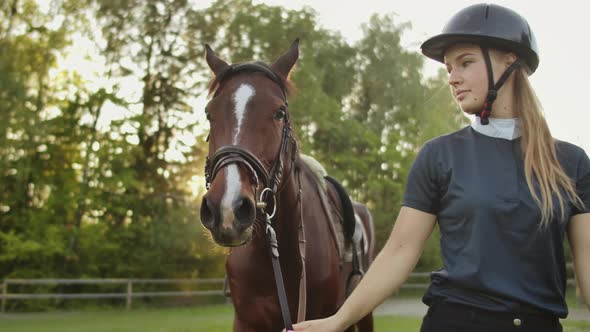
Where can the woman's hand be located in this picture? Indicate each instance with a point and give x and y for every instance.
(329, 324)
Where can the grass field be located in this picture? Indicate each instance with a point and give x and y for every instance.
(216, 318)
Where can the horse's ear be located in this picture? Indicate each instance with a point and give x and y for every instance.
(215, 63)
(286, 62)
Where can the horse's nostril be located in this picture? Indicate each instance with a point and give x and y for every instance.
(245, 212)
(207, 215)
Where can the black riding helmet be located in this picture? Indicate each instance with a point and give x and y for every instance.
(489, 26)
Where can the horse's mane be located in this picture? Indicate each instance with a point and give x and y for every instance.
(252, 68)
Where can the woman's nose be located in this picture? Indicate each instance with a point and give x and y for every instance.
(454, 78)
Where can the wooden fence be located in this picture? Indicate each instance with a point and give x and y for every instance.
(130, 294)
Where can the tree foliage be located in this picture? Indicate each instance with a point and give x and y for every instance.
(90, 194)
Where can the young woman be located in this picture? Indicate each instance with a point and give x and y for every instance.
(503, 191)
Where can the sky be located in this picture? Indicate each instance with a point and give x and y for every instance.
(560, 27)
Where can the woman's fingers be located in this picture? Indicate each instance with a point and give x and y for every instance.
(319, 325)
(303, 326)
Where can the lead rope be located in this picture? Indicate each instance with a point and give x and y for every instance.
(273, 247)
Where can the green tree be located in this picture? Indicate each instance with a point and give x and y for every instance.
(32, 239)
(85, 196)
(147, 203)
(392, 110)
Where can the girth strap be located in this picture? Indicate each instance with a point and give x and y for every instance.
(302, 307)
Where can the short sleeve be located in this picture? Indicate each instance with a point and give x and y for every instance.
(583, 184)
(422, 189)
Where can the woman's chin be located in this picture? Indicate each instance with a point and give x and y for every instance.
(470, 109)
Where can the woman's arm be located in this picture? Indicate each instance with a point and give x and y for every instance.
(390, 269)
(579, 239)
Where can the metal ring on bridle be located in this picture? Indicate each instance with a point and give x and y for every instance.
(274, 201)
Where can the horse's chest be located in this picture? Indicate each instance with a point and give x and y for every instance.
(254, 296)
(250, 277)
(260, 313)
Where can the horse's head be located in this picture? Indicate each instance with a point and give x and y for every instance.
(250, 143)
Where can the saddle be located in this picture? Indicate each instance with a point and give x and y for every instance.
(346, 227)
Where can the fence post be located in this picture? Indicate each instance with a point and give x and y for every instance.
(4, 293)
(129, 293)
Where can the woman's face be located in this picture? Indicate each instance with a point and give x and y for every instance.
(468, 76)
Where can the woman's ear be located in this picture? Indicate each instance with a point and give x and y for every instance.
(510, 58)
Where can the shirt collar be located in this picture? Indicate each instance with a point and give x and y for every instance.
(500, 128)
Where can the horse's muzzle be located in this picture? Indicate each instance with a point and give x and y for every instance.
(228, 224)
(209, 214)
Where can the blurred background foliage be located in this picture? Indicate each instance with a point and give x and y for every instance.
(101, 182)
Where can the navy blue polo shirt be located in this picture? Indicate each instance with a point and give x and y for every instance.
(495, 254)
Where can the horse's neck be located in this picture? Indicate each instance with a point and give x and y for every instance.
(287, 219)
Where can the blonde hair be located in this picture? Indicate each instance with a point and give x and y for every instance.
(543, 172)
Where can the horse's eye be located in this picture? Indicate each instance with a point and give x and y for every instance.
(280, 114)
(208, 115)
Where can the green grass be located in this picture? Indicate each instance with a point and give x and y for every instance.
(195, 319)
(397, 324)
(216, 318)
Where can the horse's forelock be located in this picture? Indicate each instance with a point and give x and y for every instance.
(215, 82)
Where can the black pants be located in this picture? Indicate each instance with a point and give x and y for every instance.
(451, 317)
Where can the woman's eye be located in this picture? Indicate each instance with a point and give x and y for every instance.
(280, 114)
(466, 63)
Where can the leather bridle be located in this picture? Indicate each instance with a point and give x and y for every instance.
(233, 154)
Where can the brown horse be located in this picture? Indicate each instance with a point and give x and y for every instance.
(251, 147)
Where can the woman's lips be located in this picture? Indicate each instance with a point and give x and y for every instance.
(459, 94)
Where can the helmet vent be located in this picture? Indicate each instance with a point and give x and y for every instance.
(487, 11)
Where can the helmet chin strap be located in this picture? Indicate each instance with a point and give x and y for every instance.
(484, 114)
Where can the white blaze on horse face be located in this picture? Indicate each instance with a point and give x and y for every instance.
(233, 183)
(241, 97)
